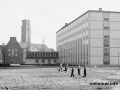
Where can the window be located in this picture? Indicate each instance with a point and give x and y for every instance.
(106, 42)
(9, 50)
(106, 54)
(32, 54)
(9, 54)
(106, 24)
(106, 50)
(16, 54)
(106, 19)
(86, 19)
(37, 61)
(55, 61)
(12, 52)
(106, 60)
(43, 61)
(106, 33)
(41, 54)
(49, 61)
(106, 15)
(16, 50)
(81, 62)
(35, 54)
(106, 27)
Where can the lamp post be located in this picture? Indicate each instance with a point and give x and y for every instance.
(118, 60)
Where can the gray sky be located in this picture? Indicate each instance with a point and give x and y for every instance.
(47, 16)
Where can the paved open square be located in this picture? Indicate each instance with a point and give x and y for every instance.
(39, 78)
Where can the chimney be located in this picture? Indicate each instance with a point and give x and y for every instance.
(12, 38)
(66, 24)
(100, 9)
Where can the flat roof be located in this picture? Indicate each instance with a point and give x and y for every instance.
(84, 14)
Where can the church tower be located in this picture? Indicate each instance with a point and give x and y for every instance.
(26, 32)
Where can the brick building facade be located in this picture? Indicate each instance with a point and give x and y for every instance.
(12, 52)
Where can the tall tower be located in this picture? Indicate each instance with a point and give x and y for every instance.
(26, 32)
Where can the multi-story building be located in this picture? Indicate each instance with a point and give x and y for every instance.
(12, 53)
(91, 39)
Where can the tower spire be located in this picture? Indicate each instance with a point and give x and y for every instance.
(43, 46)
(43, 40)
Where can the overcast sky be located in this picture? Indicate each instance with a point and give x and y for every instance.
(47, 16)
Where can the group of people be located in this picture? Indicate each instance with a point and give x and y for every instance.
(72, 70)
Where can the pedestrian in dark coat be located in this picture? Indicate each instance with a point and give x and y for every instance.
(72, 72)
(79, 68)
(84, 71)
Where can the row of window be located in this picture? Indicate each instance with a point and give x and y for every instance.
(43, 61)
(12, 50)
(106, 31)
(77, 44)
(73, 52)
(106, 26)
(13, 54)
(41, 55)
(78, 29)
(80, 21)
(82, 61)
(106, 58)
(76, 37)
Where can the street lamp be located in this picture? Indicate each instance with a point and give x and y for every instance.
(118, 60)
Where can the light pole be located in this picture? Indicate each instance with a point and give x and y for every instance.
(118, 60)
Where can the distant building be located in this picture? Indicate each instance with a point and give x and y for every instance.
(26, 52)
(30, 49)
(12, 52)
(26, 43)
(36, 53)
(91, 39)
(40, 57)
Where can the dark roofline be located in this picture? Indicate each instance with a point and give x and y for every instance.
(84, 14)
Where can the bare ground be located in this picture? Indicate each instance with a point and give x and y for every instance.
(51, 79)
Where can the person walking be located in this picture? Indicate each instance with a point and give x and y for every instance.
(66, 67)
(72, 72)
(84, 71)
(79, 68)
(60, 68)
